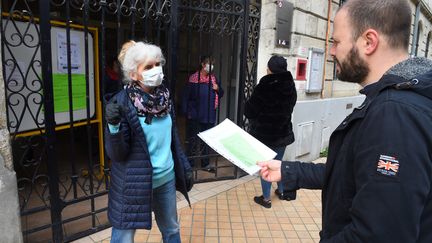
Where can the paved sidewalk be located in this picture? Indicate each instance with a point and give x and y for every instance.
(224, 211)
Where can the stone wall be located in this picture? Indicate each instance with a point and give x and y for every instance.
(10, 226)
(309, 30)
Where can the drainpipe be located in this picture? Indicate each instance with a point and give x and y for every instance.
(416, 20)
(329, 10)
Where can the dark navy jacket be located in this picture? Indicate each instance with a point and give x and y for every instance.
(198, 101)
(377, 182)
(130, 192)
(269, 109)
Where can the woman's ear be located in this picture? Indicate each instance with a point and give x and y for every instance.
(133, 76)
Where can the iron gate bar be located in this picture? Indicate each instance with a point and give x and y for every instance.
(82, 199)
(89, 132)
(36, 229)
(243, 64)
(102, 48)
(133, 12)
(45, 40)
(210, 84)
(102, 61)
(210, 10)
(173, 46)
(71, 116)
(230, 70)
(220, 78)
(158, 23)
(118, 26)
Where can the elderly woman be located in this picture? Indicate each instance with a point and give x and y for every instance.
(148, 164)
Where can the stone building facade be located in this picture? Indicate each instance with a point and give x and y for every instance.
(317, 114)
(311, 29)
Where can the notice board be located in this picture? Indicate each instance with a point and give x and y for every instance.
(23, 76)
(315, 71)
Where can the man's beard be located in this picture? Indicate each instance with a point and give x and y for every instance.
(353, 69)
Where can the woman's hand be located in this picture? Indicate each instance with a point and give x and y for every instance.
(113, 113)
(215, 87)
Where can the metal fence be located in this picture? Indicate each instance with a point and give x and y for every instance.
(57, 57)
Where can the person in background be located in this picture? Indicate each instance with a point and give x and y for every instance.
(148, 164)
(269, 112)
(377, 181)
(112, 75)
(201, 100)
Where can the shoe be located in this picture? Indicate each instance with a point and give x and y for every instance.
(261, 201)
(209, 169)
(282, 196)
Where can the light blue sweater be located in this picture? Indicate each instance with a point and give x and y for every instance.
(158, 138)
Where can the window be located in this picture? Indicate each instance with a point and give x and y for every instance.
(428, 40)
(419, 34)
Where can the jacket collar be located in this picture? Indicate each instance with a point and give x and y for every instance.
(387, 81)
(276, 76)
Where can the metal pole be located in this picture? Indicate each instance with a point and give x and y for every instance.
(329, 11)
(243, 64)
(173, 47)
(86, 15)
(45, 40)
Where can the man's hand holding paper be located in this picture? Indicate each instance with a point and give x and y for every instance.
(271, 170)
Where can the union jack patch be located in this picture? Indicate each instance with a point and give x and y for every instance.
(388, 165)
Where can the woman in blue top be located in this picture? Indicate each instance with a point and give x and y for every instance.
(148, 164)
(201, 99)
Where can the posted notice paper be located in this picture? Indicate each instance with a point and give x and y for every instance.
(237, 146)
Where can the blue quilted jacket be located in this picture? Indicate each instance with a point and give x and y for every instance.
(130, 192)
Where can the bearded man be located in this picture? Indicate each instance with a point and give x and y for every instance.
(377, 182)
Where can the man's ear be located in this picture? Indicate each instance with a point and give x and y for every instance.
(370, 41)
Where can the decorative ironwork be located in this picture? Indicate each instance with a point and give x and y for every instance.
(152, 9)
(219, 17)
(32, 181)
(22, 81)
(79, 179)
(252, 55)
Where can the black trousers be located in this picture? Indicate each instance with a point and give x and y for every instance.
(195, 146)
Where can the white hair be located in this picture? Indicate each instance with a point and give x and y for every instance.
(140, 53)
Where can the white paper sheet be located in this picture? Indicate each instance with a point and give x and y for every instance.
(237, 146)
(75, 48)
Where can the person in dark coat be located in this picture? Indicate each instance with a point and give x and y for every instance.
(148, 164)
(112, 75)
(269, 112)
(377, 182)
(201, 99)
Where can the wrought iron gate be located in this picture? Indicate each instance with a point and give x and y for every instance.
(56, 58)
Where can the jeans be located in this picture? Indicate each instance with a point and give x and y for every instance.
(265, 185)
(165, 210)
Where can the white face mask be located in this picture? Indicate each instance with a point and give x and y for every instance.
(152, 77)
(207, 68)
